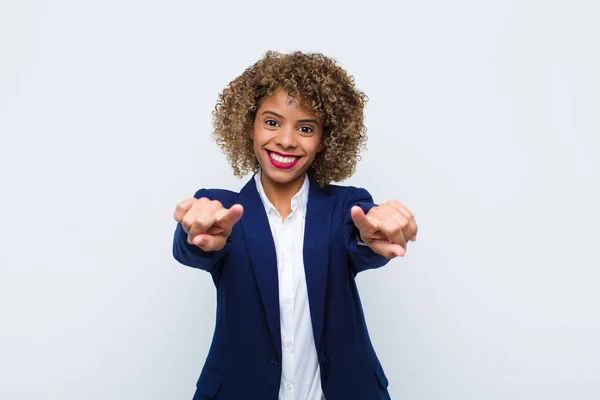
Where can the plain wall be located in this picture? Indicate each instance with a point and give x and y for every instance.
(482, 119)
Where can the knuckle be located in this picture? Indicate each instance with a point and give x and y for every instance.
(187, 221)
(401, 221)
(392, 227)
(200, 221)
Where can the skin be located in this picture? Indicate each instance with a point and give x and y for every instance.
(281, 125)
(386, 228)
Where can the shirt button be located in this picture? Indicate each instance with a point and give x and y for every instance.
(288, 386)
(288, 344)
(288, 300)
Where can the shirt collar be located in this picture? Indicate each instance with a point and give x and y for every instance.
(299, 200)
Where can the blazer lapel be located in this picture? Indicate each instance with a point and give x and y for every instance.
(316, 254)
(261, 247)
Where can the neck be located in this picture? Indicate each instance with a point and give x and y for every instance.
(280, 194)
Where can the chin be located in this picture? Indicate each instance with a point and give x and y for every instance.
(281, 177)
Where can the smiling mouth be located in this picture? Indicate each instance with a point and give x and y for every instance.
(282, 162)
(282, 159)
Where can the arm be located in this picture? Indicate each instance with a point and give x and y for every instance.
(193, 256)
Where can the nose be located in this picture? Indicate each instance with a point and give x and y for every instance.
(286, 137)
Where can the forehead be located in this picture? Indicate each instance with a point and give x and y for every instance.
(281, 102)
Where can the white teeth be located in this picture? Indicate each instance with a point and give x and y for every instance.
(284, 160)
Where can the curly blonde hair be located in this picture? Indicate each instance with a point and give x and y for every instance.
(321, 86)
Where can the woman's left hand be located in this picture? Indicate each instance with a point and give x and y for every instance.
(386, 228)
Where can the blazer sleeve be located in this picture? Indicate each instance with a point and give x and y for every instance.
(361, 256)
(193, 256)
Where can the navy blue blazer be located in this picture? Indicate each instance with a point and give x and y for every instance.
(244, 360)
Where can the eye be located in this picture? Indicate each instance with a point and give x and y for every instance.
(271, 122)
(306, 129)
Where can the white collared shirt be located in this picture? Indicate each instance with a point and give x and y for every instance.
(300, 377)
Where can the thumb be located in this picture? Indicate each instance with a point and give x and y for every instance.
(359, 218)
(231, 216)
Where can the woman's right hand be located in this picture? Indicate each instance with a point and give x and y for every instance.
(207, 223)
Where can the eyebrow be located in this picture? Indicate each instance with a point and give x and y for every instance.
(282, 117)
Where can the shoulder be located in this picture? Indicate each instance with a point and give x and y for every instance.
(347, 193)
(226, 197)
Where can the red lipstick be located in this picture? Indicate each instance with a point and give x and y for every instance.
(281, 165)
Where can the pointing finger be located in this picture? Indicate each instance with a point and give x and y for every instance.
(209, 242)
(409, 216)
(397, 227)
(198, 224)
(391, 227)
(388, 250)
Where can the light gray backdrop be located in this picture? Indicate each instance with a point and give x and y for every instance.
(483, 120)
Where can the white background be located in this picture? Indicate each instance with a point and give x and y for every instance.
(483, 120)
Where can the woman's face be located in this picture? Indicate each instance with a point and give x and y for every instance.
(286, 137)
